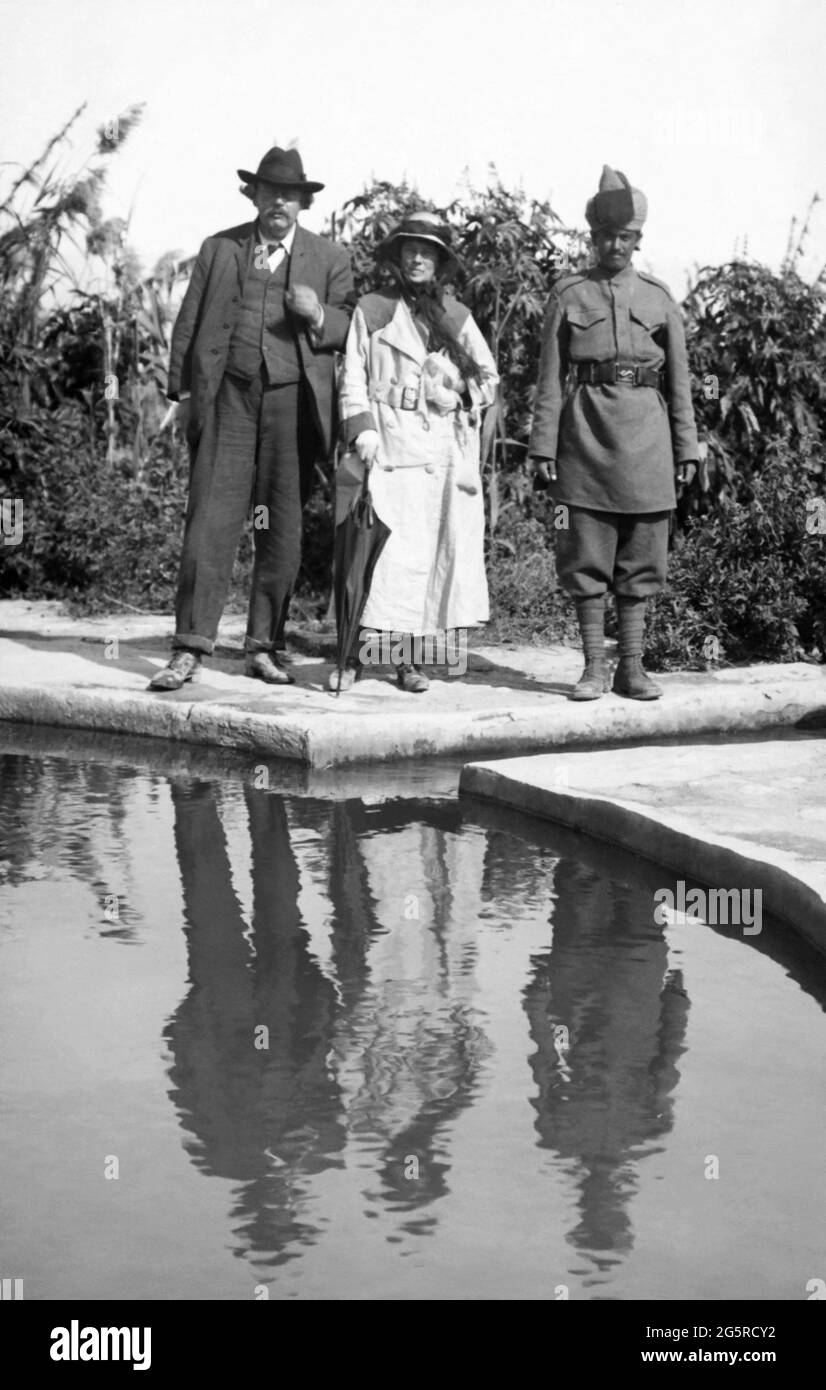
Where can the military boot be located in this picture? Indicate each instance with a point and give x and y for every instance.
(593, 682)
(630, 679)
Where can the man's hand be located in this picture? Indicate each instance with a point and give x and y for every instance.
(367, 445)
(304, 302)
(544, 469)
(685, 473)
(178, 414)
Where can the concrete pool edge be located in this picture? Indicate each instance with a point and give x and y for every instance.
(128, 712)
(359, 731)
(793, 892)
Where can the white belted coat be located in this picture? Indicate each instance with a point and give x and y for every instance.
(425, 482)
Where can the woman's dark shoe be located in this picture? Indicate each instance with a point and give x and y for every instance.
(630, 679)
(412, 680)
(337, 681)
(183, 666)
(262, 666)
(592, 683)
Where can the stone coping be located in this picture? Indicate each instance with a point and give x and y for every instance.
(748, 815)
(55, 670)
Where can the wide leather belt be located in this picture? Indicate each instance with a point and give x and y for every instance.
(621, 373)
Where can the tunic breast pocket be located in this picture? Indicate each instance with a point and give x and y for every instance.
(591, 338)
(647, 332)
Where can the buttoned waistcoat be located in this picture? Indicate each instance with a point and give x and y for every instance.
(210, 311)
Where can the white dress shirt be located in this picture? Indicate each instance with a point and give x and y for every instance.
(281, 249)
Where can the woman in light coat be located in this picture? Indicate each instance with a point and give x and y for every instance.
(417, 377)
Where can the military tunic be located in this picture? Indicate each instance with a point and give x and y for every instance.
(615, 445)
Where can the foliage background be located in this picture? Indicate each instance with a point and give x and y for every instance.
(87, 444)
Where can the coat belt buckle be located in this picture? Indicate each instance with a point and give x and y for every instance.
(628, 375)
(410, 398)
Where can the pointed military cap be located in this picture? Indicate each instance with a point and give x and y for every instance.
(616, 204)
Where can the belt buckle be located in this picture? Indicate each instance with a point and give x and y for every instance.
(409, 398)
(627, 375)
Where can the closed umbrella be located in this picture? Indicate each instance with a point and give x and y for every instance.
(360, 539)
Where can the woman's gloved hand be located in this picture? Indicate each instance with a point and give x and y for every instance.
(443, 383)
(367, 445)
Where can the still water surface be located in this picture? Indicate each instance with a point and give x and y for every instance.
(366, 1041)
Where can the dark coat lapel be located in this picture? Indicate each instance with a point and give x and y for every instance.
(401, 333)
(300, 259)
(235, 250)
(243, 246)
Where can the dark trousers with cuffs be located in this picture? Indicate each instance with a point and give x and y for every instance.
(263, 452)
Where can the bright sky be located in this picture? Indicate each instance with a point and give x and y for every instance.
(715, 108)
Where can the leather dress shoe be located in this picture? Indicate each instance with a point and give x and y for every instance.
(412, 680)
(593, 682)
(631, 680)
(265, 666)
(183, 666)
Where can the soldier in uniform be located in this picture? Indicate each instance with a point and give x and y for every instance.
(613, 425)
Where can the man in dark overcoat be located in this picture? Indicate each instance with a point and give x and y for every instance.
(613, 427)
(252, 363)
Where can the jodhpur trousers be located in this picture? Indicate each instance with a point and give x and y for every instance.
(260, 448)
(612, 551)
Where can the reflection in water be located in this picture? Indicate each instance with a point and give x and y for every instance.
(61, 816)
(472, 1027)
(379, 1053)
(409, 1049)
(262, 1115)
(608, 1019)
(385, 1050)
(385, 1054)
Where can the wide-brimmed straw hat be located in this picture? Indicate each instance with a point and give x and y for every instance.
(279, 166)
(423, 226)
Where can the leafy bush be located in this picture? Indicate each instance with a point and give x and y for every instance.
(90, 529)
(757, 351)
(749, 582)
(527, 604)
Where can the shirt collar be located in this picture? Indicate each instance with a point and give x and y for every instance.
(286, 242)
(627, 273)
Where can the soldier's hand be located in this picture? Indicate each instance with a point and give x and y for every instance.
(544, 469)
(304, 302)
(685, 473)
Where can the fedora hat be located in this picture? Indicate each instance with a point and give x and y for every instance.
(423, 226)
(279, 167)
